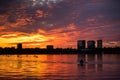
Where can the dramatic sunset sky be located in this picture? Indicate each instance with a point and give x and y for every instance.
(36, 23)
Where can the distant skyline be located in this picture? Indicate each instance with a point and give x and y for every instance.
(37, 23)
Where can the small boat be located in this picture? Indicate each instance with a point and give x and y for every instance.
(81, 62)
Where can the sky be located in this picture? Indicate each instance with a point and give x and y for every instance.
(37, 23)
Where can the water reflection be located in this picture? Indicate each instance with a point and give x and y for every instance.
(97, 66)
(91, 61)
(19, 63)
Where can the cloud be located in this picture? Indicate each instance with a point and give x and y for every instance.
(60, 15)
(64, 22)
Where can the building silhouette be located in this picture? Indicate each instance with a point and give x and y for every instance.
(49, 47)
(19, 46)
(81, 44)
(91, 44)
(99, 43)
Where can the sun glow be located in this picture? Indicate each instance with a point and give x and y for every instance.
(29, 40)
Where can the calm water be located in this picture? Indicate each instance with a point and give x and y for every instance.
(60, 67)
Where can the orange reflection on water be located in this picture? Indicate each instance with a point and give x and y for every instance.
(65, 67)
(39, 66)
(21, 65)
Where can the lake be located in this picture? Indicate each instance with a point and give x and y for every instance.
(60, 67)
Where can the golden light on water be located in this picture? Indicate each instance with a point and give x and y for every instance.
(45, 67)
(18, 66)
(21, 64)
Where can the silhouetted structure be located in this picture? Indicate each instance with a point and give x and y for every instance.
(49, 47)
(91, 44)
(81, 44)
(58, 51)
(99, 43)
(81, 48)
(19, 46)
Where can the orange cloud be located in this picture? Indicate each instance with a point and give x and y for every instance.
(56, 37)
(39, 13)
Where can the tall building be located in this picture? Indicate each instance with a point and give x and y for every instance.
(81, 44)
(19, 46)
(99, 43)
(49, 47)
(91, 44)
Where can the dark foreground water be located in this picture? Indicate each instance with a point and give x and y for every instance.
(60, 67)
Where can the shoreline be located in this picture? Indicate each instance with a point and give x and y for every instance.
(60, 51)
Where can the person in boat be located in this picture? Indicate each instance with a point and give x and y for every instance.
(81, 61)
